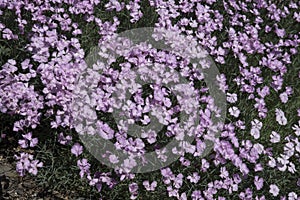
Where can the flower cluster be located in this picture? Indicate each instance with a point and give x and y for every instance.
(255, 45)
(27, 163)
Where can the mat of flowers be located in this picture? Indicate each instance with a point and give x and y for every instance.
(154, 99)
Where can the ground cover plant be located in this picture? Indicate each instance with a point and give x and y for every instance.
(254, 149)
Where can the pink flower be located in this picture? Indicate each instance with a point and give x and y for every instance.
(150, 135)
(222, 82)
(194, 178)
(133, 187)
(234, 111)
(256, 124)
(259, 182)
(64, 140)
(255, 133)
(260, 198)
(150, 187)
(84, 167)
(275, 137)
(231, 98)
(296, 128)
(280, 32)
(292, 196)
(183, 196)
(271, 162)
(28, 138)
(33, 142)
(178, 181)
(284, 97)
(280, 117)
(196, 195)
(113, 159)
(172, 192)
(258, 167)
(204, 165)
(77, 149)
(161, 154)
(224, 173)
(274, 190)
(23, 144)
(33, 167)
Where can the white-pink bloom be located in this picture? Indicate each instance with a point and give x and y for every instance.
(204, 165)
(280, 117)
(183, 196)
(150, 187)
(296, 128)
(297, 145)
(77, 149)
(23, 144)
(178, 181)
(256, 124)
(259, 148)
(133, 189)
(275, 137)
(289, 149)
(292, 196)
(234, 111)
(272, 162)
(113, 159)
(161, 154)
(150, 135)
(283, 161)
(258, 167)
(284, 97)
(224, 173)
(255, 133)
(231, 98)
(280, 32)
(274, 190)
(291, 168)
(194, 178)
